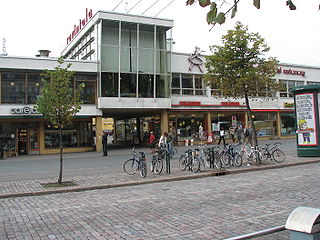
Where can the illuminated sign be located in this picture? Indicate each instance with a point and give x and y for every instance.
(288, 104)
(291, 71)
(82, 23)
(24, 110)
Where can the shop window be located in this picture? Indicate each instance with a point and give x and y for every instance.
(313, 83)
(287, 85)
(109, 84)
(265, 124)
(75, 134)
(188, 127)
(287, 121)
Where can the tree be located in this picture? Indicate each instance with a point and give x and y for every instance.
(217, 15)
(239, 68)
(59, 101)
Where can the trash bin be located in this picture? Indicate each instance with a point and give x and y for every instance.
(304, 224)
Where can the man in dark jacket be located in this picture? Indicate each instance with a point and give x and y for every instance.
(104, 144)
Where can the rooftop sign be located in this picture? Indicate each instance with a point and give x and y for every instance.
(82, 23)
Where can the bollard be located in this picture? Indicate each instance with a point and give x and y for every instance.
(304, 224)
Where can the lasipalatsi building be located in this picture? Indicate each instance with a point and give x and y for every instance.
(132, 75)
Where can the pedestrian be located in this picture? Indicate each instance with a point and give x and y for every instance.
(152, 142)
(248, 133)
(221, 137)
(239, 132)
(163, 140)
(232, 132)
(105, 143)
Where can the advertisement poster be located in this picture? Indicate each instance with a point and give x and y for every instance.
(306, 122)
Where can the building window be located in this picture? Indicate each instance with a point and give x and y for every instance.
(187, 84)
(13, 87)
(109, 84)
(88, 94)
(287, 122)
(313, 83)
(146, 85)
(128, 85)
(175, 86)
(33, 87)
(287, 85)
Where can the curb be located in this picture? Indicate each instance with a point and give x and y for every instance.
(168, 179)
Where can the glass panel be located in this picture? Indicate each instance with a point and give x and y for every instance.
(162, 61)
(128, 59)
(175, 81)
(146, 61)
(110, 33)
(33, 87)
(88, 93)
(34, 142)
(128, 85)
(186, 81)
(129, 36)
(161, 38)
(109, 59)
(299, 83)
(162, 86)
(287, 124)
(146, 39)
(175, 90)
(109, 84)
(13, 87)
(146, 85)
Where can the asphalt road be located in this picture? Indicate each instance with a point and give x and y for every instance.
(206, 208)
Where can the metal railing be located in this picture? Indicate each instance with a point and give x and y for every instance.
(259, 233)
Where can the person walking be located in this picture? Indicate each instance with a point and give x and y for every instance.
(248, 133)
(152, 142)
(239, 133)
(105, 143)
(222, 137)
(163, 140)
(232, 132)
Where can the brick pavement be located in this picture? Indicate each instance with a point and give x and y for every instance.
(204, 208)
(115, 177)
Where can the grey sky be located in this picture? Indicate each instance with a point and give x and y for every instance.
(292, 35)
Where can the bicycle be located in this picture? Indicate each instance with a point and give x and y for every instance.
(213, 159)
(157, 162)
(254, 155)
(136, 164)
(202, 158)
(236, 161)
(189, 160)
(273, 153)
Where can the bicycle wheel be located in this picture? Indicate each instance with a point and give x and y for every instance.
(143, 169)
(173, 151)
(158, 166)
(226, 159)
(130, 166)
(202, 164)
(237, 160)
(257, 157)
(278, 155)
(217, 163)
(195, 164)
(264, 154)
(183, 163)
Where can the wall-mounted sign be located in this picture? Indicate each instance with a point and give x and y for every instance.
(306, 120)
(195, 59)
(188, 103)
(291, 71)
(24, 110)
(288, 104)
(82, 23)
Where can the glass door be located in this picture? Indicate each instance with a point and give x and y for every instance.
(34, 141)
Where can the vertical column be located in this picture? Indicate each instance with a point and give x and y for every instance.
(246, 119)
(208, 127)
(164, 121)
(41, 137)
(278, 125)
(99, 134)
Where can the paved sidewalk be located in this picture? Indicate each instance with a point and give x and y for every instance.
(115, 177)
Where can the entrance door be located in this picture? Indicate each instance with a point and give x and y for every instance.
(22, 141)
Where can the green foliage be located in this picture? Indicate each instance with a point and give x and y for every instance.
(216, 15)
(58, 101)
(239, 68)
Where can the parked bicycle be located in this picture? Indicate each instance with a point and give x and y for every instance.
(213, 159)
(136, 164)
(188, 160)
(252, 156)
(157, 161)
(273, 153)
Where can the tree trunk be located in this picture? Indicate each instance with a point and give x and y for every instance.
(61, 152)
(254, 134)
